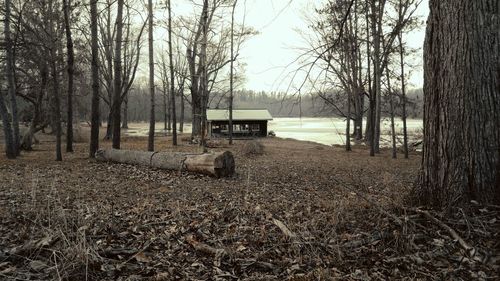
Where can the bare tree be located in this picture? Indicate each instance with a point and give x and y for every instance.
(152, 119)
(55, 83)
(71, 71)
(94, 130)
(117, 99)
(172, 79)
(231, 82)
(11, 84)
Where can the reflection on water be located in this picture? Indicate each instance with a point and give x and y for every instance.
(321, 130)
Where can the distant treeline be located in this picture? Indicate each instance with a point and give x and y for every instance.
(278, 103)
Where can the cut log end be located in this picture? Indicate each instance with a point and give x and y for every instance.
(224, 165)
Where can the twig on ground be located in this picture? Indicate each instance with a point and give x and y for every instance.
(471, 251)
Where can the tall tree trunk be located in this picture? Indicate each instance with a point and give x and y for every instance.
(152, 119)
(181, 121)
(95, 118)
(377, 12)
(391, 112)
(57, 102)
(125, 113)
(403, 94)
(204, 75)
(461, 152)
(231, 77)
(116, 112)
(348, 124)
(165, 101)
(172, 80)
(369, 132)
(108, 47)
(71, 62)
(10, 151)
(11, 83)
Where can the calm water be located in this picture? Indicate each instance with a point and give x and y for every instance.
(321, 130)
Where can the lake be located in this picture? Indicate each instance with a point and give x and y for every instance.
(327, 131)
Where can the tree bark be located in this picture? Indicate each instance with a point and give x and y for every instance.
(10, 152)
(11, 83)
(204, 75)
(125, 113)
(95, 118)
(118, 77)
(461, 152)
(214, 164)
(172, 79)
(57, 104)
(152, 119)
(71, 63)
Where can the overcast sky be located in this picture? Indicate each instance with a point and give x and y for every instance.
(269, 55)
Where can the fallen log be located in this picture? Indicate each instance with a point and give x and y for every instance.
(219, 164)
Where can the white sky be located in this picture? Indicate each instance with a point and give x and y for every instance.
(269, 55)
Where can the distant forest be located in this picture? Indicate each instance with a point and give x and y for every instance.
(278, 103)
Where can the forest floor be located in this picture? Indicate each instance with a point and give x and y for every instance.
(300, 211)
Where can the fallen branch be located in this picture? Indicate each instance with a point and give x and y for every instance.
(471, 251)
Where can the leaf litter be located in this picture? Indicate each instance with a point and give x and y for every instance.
(300, 211)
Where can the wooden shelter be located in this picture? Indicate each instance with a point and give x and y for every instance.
(246, 122)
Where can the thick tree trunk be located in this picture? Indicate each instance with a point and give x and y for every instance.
(461, 152)
(214, 164)
(71, 62)
(7, 129)
(56, 106)
(152, 119)
(109, 125)
(118, 77)
(11, 83)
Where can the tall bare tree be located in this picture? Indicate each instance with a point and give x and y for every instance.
(117, 95)
(71, 71)
(56, 107)
(231, 76)
(172, 79)
(152, 119)
(94, 129)
(13, 142)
